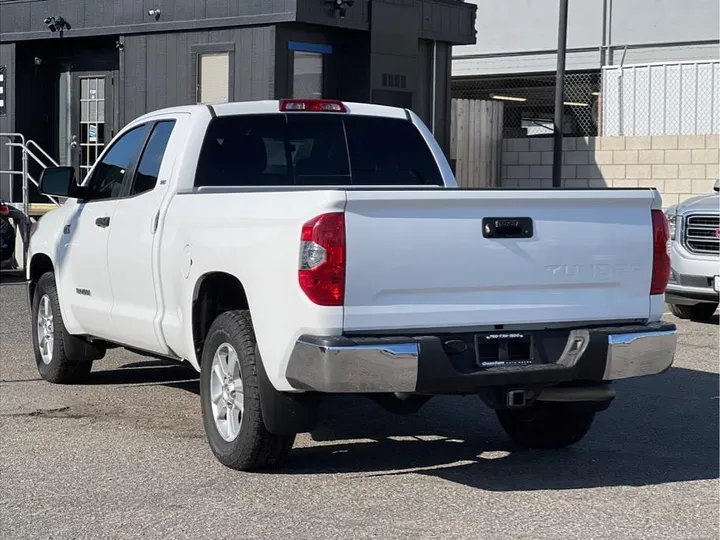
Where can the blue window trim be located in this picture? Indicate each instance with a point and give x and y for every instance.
(310, 47)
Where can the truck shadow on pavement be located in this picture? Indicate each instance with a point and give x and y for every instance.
(150, 373)
(659, 430)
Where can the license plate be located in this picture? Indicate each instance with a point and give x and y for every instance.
(716, 283)
(503, 348)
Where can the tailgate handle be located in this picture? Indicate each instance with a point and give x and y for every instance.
(520, 227)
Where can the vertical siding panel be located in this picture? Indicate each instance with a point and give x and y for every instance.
(7, 123)
(185, 76)
(173, 59)
(37, 11)
(156, 71)
(259, 63)
(249, 66)
(218, 8)
(221, 36)
(135, 77)
(270, 61)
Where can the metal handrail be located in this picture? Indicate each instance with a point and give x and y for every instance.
(27, 176)
(17, 140)
(37, 185)
(43, 152)
(24, 146)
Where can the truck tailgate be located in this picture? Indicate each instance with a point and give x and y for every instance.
(419, 259)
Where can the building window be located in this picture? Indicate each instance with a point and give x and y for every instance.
(213, 76)
(307, 75)
(306, 69)
(213, 70)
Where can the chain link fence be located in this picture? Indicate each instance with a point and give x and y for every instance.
(681, 98)
(529, 102)
(661, 99)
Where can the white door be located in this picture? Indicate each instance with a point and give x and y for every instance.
(84, 269)
(133, 241)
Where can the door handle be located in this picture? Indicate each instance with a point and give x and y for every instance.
(521, 227)
(102, 222)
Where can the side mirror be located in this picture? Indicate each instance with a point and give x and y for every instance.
(59, 182)
(716, 186)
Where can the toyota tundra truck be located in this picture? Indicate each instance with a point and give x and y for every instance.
(290, 250)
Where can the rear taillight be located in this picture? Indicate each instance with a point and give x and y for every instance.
(661, 259)
(4, 210)
(321, 271)
(312, 105)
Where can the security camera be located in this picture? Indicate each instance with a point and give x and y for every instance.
(51, 23)
(56, 23)
(339, 7)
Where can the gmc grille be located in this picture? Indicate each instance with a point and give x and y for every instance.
(701, 234)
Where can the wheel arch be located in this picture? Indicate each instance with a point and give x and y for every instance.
(40, 264)
(214, 293)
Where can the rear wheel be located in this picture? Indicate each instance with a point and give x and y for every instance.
(56, 362)
(698, 312)
(546, 424)
(230, 398)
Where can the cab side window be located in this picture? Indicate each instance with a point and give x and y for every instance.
(109, 174)
(149, 166)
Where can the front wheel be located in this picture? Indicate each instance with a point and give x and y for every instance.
(60, 357)
(697, 312)
(546, 424)
(230, 397)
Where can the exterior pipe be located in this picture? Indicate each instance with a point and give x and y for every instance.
(559, 95)
(434, 84)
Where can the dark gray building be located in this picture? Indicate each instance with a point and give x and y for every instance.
(76, 71)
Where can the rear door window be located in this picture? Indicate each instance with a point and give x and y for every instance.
(246, 150)
(314, 149)
(149, 166)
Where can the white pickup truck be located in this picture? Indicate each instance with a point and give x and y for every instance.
(294, 249)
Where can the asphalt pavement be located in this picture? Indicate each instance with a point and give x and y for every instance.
(125, 456)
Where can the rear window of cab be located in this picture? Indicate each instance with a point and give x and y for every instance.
(311, 149)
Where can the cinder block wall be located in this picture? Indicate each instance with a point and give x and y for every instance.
(680, 167)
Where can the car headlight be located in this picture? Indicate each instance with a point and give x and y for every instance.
(672, 224)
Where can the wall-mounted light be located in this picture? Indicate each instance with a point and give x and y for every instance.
(155, 13)
(55, 24)
(339, 7)
(575, 104)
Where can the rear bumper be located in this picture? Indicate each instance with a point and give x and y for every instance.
(424, 364)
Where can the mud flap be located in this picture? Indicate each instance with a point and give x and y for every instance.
(285, 413)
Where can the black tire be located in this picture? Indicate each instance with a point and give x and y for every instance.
(71, 358)
(254, 447)
(546, 424)
(698, 312)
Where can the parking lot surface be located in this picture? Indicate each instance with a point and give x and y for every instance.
(124, 456)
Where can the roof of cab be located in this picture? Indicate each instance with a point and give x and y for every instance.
(273, 106)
